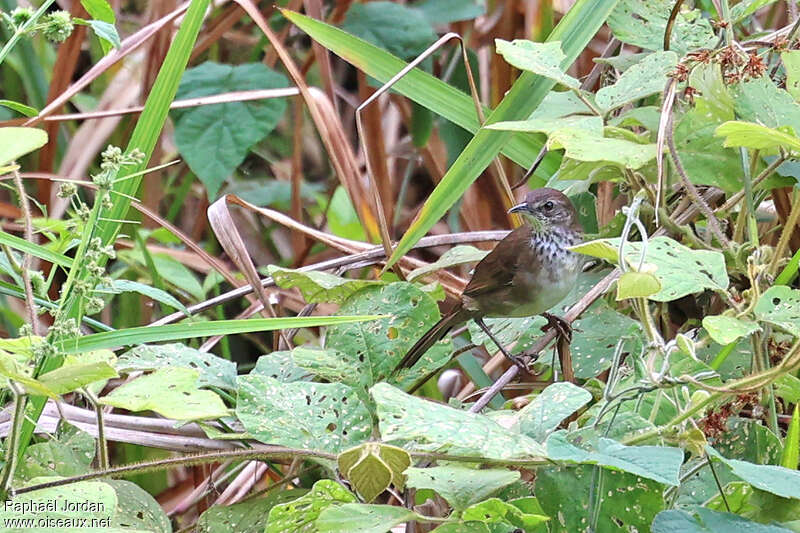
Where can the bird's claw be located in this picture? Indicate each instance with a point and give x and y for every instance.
(519, 362)
(562, 327)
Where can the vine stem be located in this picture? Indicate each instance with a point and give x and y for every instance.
(30, 302)
(12, 441)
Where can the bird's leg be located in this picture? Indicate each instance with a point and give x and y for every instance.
(562, 327)
(511, 357)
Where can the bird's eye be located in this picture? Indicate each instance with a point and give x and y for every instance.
(548, 206)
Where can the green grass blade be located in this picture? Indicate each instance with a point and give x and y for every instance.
(36, 250)
(791, 445)
(172, 332)
(419, 86)
(574, 31)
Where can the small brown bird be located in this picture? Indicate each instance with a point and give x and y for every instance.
(527, 273)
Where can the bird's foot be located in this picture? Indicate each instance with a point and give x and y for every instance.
(562, 327)
(511, 357)
(519, 362)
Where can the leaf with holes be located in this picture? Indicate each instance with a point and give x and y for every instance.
(427, 426)
(780, 306)
(762, 101)
(214, 139)
(459, 485)
(299, 515)
(544, 59)
(791, 61)
(65, 502)
(496, 512)
(249, 516)
(70, 453)
(701, 520)
(727, 329)
(645, 78)
(318, 287)
(213, 371)
(373, 348)
(170, 392)
(279, 365)
(549, 408)
(362, 518)
(775, 479)
(137, 509)
(680, 270)
(601, 327)
(312, 416)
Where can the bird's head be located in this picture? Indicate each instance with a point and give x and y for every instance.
(545, 208)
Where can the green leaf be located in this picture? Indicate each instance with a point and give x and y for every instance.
(704, 157)
(702, 520)
(65, 502)
(745, 8)
(790, 458)
(727, 329)
(583, 145)
(213, 371)
(123, 285)
(317, 287)
(549, 408)
(574, 30)
(373, 349)
(301, 514)
(170, 392)
(100, 10)
(342, 217)
(457, 255)
(643, 79)
(16, 142)
(774, 479)
(522, 332)
(496, 511)
(428, 426)
(171, 270)
(106, 32)
(447, 11)
(644, 24)
(249, 516)
(459, 485)
(215, 139)
(601, 327)
(680, 270)
(361, 517)
(372, 467)
(780, 306)
(791, 61)
(763, 102)
(627, 502)
(787, 387)
(659, 463)
(136, 509)
(10, 369)
(634, 284)
(313, 416)
(22, 109)
(402, 31)
(70, 453)
(756, 136)
(549, 125)
(34, 249)
(68, 378)
(544, 59)
(279, 365)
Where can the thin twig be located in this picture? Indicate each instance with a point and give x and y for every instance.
(30, 302)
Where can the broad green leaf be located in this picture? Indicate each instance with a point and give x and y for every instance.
(300, 515)
(644, 23)
(68, 378)
(790, 458)
(22, 109)
(627, 502)
(249, 516)
(70, 453)
(584, 145)
(215, 139)
(574, 31)
(372, 467)
(780, 306)
(213, 371)
(774, 479)
(171, 270)
(279, 365)
(100, 10)
(521, 332)
(191, 330)
(643, 79)
(442, 98)
(123, 285)
(401, 30)
(714, 99)
(427, 426)
(459, 485)
(16, 142)
(361, 517)
(549, 125)
(787, 387)
(549, 408)
(317, 287)
(601, 327)
(496, 511)
(11, 370)
(373, 349)
(447, 11)
(457, 255)
(342, 217)
(680, 269)
(701, 520)
(313, 416)
(745, 8)
(170, 392)
(763, 102)
(137, 509)
(332, 365)
(727, 329)
(757, 137)
(659, 463)
(544, 59)
(791, 61)
(106, 32)
(634, 284)
(64, 502)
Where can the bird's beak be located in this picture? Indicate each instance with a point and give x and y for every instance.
(519, 207)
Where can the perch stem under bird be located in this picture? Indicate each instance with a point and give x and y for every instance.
(527, 273)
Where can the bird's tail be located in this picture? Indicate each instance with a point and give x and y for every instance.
(433, 335)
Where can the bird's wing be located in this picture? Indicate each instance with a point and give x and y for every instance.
(497, 269)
